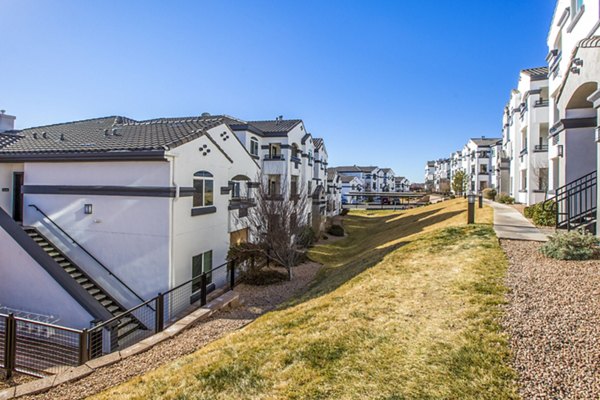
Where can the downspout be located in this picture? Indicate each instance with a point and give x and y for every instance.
(171, 159)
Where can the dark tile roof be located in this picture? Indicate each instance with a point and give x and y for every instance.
(8, 138)
(265, 128)
(109, 134)
(318, 143)
(331, 173)
(347, 178)
(485, 141)
(538, 73)
(355, 168)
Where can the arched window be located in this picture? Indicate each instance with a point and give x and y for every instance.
(203, 189)
(254, 146)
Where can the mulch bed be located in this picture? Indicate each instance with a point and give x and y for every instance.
(553, 319)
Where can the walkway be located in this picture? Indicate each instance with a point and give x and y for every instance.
(511, 224)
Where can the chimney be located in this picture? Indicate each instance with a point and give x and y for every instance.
(7, 122)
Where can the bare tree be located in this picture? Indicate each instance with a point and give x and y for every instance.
(275, 223)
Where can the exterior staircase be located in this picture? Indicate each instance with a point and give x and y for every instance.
(575, 204)
(127, 326)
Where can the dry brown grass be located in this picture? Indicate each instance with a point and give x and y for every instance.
(407, 307)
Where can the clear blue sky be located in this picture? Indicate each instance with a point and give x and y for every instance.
(390, 83)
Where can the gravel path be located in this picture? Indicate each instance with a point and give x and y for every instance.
(553, 318)
(255, 301)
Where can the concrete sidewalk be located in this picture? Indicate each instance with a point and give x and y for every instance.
(511, 224)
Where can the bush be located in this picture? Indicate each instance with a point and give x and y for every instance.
(489, 193)
(504, 199)
(344, 211)
(452, 197)
(307, 237)
(336, 230)
(574, 245)
(539, 215)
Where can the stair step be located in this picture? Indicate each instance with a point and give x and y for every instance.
(76, 274)
(53, 253)
(94, 291)
(127, 330)
(112, 309)
(100, 296)
(107, 302)
(67, 266)
(87, 286)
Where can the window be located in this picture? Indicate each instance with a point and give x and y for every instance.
(310, 156)
(294, 186)
(254, 146)
(577, 4)
(203, 189)
(309, 187)
(235, 190)
(200, 264)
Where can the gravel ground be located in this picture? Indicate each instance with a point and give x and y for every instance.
(553, 318)
(255, 300)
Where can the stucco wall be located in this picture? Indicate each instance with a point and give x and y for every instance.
(25, 286)
(6, 182)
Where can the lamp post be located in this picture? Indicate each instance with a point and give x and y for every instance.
(471, 208)
(480, 198)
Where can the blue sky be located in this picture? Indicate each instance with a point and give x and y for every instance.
(390, 83)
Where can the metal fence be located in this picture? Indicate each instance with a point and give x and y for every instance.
(40, 349)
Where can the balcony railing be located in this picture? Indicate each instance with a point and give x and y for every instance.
(523, 152)
(542, 103)
(295, 159)
(274, 157)
(539, 148)
(241, 202)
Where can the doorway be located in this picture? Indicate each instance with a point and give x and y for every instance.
(18, 196)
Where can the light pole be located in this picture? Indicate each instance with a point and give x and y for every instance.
(480, 197)
(471, 208)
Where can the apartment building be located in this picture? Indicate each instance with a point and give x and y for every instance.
(351, 184)
(334, 192)
(442, 173)
(104, 213)
(401, 184)
(525, 136)
(430, 176)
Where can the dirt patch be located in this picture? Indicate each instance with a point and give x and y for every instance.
(553, 318)
(255, 301)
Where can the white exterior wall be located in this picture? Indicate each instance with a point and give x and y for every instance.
(128, 234)
(28, 287)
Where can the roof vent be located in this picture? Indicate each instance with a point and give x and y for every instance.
(106, 134)
(119, 120)
(62, 137)
(115, 132)
(35, 135)
(45, 135)
(205, 114)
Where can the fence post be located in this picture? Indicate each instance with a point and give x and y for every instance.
(203, 282)
(84, 353)
(10, 345)
(160, 312)
(231, 274)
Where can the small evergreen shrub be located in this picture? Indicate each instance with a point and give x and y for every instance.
(574, 245)
(452, 197)
(539, 215)
(307, 237)
(344, 211)
(505, 199)
(489, 193)
(336, 230)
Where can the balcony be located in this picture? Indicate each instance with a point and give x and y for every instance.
(274, 157)
(523, 152)
(295, 159)
(237, 203)
(542, 103)
(540, 148)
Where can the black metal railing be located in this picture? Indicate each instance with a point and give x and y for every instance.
(538, 148)
(110, 273)
(575, 203)
(40, 349)
(120, 332)
(271, 157)
(523, 152)
(542, 103)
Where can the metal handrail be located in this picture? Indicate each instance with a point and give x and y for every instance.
(583, 185)
(87, 252)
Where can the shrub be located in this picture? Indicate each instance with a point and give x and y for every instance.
(542, 217)
(574, 245)
(504, 199)
(307, 237)
(336, 230)
(452, 197)
(344, 211)
(528, 211)
(489, 193)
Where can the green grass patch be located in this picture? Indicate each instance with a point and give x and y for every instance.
(407, 307)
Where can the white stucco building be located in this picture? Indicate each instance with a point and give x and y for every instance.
(153, 203)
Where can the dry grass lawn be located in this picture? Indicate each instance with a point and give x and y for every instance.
(407, 307)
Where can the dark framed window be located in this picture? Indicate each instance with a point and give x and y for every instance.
(200, 264)
(203, 189)
(254, 146)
